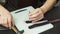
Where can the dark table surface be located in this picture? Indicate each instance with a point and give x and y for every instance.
(51, 15)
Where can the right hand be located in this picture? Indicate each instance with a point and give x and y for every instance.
(6, 19)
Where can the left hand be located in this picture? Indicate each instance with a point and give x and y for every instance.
(36, 15)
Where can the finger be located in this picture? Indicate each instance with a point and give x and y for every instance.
(1, 22)
(33, 19)
(9, 22)
(0, 19)
(12, 21)
(5, 22)
(33, 12)
(35, 15)
(38, 19)
(5, 25)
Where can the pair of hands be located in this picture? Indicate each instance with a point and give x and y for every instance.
(6, 18)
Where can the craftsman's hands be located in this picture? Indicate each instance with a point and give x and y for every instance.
(36, 15)
(6, 19)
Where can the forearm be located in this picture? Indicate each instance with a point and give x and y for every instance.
(48, 5)
(2, 8)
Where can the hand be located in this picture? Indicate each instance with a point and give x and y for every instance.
(36, 15)
(6, 19)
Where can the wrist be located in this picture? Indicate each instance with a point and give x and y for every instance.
(43, 9)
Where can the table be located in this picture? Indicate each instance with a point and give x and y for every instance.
(53, 14)
(50, 15)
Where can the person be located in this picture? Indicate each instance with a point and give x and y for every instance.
(41, 7)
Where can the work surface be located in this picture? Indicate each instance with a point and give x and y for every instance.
(53, 14)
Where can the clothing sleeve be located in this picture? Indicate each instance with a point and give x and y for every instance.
(58, 3)
(2, 2)
(39, 3)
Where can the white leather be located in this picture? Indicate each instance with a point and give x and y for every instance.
(20, 19)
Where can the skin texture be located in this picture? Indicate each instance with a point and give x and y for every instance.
(6, 18)
(38, 13)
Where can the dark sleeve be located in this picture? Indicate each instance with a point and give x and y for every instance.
(58, 0)
(57, 3)
(39, 3)
(2, 2)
